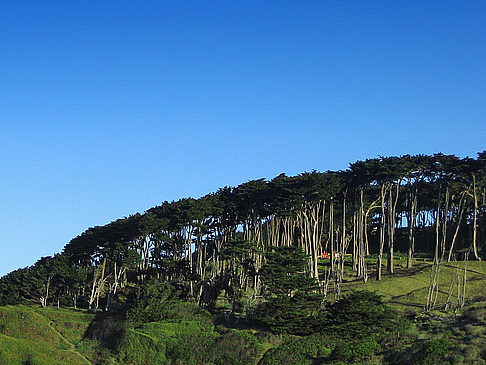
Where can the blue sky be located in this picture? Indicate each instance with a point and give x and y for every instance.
(109, 108)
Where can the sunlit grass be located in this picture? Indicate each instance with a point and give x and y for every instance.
(407, 289)
(41, 335)
(15, 351)
(70, 323)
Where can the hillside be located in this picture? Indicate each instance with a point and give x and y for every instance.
(51, 335)
(31, 335)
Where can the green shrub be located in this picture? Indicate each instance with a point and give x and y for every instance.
(141, 349)
(362, 314)
(435, 351)
(184, 342)
(236, 347)
(160, 301)
(284, 314)
(352, 351)
(299, 351)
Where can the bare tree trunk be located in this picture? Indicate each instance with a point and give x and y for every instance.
(97, 287)
(475, 221)
(458, 224)
(331, 234)
(411, 228)
(362, 268)
(343, 241)
(392, 206)
(382, 234)
(355, 244)
(43, 299)
(444, 225)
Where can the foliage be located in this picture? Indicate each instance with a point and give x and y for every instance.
(361, 314)
(185, 342)
(294, 300)
(160, 301)
(235, 347)
(299, 351)
(434, 351)
(355, 350)
(284, 273)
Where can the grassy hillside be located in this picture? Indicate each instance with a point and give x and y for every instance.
(34, 335)
(406, 289)
(31, 335)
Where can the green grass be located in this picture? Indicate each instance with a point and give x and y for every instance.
(29, 336)
(15, 351)
(163, 342)
(23, 323)
(70, 323)
(406, 289)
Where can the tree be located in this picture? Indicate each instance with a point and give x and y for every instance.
(293, 299)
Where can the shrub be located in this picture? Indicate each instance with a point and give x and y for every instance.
(299, 351)
(434, 351)
(160, 301)
(353, 351)
(362, 314)
(236, 347)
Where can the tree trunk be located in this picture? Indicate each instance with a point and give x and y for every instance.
(382, 234)
(411, 227)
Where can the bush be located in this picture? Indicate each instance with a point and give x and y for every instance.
(355, 350)
(284, 314)
(236, 347)
(362, 314)
(184, 342)
(161, 301)
(299, 351)
(434, 351)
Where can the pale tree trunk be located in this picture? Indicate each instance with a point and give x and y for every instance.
(444, 225)
(331, 234)
(411, 227)
(382, 234)
(43, 299)
(475, 221)
(355, 244)
(433, 290)
(392, 202)
(362, 268)
(117, 276)
(97, 286)
(343, 244)
(460, 214)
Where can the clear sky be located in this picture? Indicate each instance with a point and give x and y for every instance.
(108, 108)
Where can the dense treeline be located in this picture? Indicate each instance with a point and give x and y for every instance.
(221, 241)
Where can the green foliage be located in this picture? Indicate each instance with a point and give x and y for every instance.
(140, 348)
(355, 350)
(294, 300)
(23, 323)
(362, 314)
(235, 347)
(185, 342)
(72, 325)
(284, 272)
(433, 352)
(160, 301)
(285, 314)
(15, 351)
(299, 351)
